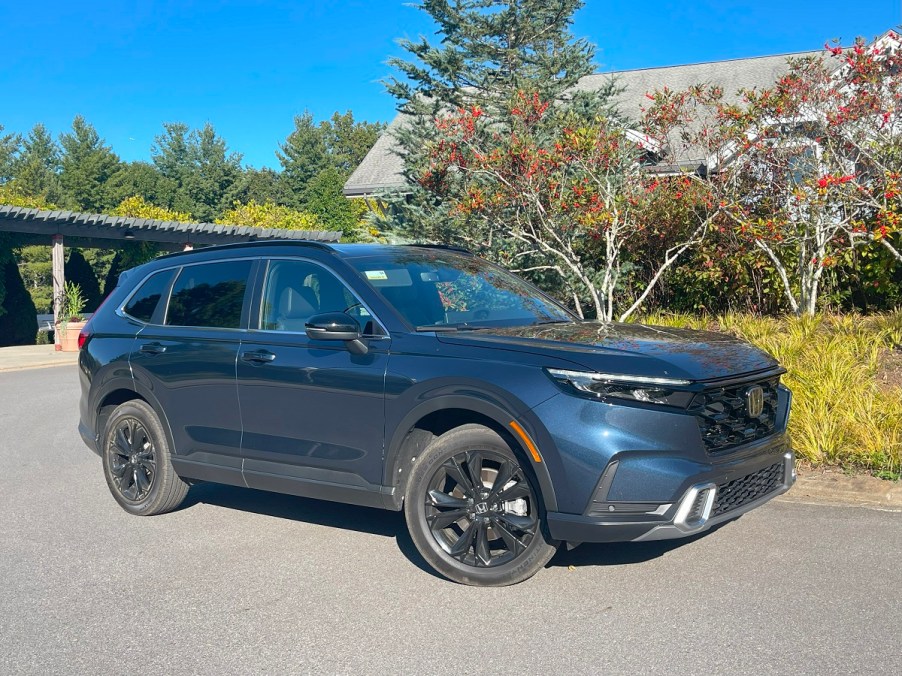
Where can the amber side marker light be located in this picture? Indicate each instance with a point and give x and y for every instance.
(526, 440)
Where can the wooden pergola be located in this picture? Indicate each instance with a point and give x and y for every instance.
(36, 226)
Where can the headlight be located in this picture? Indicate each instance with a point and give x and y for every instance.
(632, 388)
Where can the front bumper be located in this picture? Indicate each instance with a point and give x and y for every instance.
(724, 493)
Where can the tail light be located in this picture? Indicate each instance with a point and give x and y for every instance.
(87, 331)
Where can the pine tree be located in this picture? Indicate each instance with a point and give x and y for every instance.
(36, 169)
(9, 147)
(302, 156)
(87, 165)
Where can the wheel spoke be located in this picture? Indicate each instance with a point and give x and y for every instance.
(128, 486)
(455, 471)
(141, 480)
(122, 444)
(474, 467)
(505, 472)
(439, 499)
(511, 541)
(442, 520)
(483, 555)
(117, 467)
(524, 524)
(137, 436)
(518, 490)
(460, 548)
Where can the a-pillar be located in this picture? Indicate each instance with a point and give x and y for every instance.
(59, 285)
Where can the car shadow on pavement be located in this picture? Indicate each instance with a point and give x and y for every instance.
(621, 553)
(391, 524)
(320, 512)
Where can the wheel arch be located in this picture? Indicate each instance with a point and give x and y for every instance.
(117, 393)
(437, 416)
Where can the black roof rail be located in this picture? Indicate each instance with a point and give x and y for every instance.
(307, 244)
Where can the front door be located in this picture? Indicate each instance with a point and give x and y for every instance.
(312, 411)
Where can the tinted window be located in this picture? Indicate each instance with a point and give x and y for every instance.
(210, 294)
(294, 291)
(144, 302)
(431, 288)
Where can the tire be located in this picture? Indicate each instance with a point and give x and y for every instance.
(465, 527)
(136, 461)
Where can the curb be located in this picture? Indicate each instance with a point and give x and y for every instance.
(36, 365)
(828, 487)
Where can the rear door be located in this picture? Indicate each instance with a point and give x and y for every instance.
(186, 358)
(312, 411)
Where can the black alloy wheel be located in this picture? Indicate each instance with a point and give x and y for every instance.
(132, 460)
(473, 510)
(481, 509)
(136, 461)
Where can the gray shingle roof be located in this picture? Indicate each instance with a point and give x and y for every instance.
(381, 168)
(100, 226)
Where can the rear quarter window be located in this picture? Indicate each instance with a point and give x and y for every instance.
(209, 294)
(144, 302)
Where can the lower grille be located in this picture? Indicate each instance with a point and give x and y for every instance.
(734, 494)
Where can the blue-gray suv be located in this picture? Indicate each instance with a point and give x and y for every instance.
(427, 380)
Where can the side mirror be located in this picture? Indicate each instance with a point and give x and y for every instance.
(336, 326)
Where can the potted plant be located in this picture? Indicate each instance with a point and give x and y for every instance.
(71, 320)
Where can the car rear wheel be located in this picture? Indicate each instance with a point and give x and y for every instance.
(136, 461)
(473, 510)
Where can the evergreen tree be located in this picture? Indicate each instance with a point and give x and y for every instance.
(339, 143)
(87, 166)
(323, 197)
(505, 68)
(36, 169)
(79, 271)
(135, 179)
(18, 317)
(302, 156)
(197, 170)
(9, 148)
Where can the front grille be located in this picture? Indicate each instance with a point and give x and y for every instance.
(723, 417)
(734, 494)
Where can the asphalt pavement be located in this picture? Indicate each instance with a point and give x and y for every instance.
(241, 581)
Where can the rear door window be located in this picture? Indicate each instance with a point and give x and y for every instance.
(144, 302)
(209, 295)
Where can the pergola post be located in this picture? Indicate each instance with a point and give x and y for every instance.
(59, 285)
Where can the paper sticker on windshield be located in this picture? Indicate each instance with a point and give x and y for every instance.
(376, 274)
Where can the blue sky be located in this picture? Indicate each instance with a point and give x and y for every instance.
(249, 66)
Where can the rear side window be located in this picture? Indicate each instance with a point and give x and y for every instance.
(210, 294)
(143, 303)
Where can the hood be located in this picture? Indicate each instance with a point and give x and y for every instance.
(632, 349)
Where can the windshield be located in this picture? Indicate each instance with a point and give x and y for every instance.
(443, 290)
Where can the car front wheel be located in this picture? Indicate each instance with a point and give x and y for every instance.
(473, 511)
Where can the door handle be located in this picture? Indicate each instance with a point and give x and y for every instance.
(258, 357)
(153, 348)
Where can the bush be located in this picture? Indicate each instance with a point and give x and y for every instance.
(18, 320)
(79, 271)
(841, 413)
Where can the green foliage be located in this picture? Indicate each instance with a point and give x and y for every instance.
(9, 147)
(72, 303)
(324, 199)
(270, 216)
(18, 322)
(137, 207)
(338, 144)
(37, 166)
(87, 166)
(79, 272)
(36, 268)
(841, 414)
(197, 169)
(135, 179)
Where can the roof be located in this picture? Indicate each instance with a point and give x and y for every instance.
(382, 168)
(101, 226)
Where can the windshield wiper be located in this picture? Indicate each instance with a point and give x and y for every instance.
(553, 321)
(449, 327)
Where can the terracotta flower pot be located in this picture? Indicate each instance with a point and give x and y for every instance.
(68, 335)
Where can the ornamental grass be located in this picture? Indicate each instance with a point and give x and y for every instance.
(845, 372)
